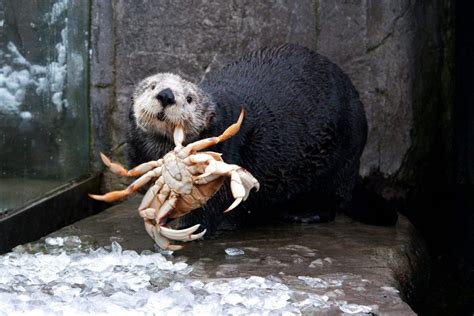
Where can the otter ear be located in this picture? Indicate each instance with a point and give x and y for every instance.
(210, 118)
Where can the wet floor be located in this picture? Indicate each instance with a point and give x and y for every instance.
(108, 264)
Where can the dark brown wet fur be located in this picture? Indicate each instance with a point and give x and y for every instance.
(302, 137)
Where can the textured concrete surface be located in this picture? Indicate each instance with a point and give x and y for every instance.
(192, 40)
(379, 267)
(373, 42)
(390, 49)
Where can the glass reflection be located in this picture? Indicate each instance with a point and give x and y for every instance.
(43, 98)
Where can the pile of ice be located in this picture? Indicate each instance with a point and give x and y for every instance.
(19, 77)
(61, 281)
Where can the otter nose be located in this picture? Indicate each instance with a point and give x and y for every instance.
(166, 97)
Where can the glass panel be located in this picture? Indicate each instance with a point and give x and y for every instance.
(44, 137)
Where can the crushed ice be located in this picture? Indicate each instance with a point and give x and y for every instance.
(320, 283)
(67, 276)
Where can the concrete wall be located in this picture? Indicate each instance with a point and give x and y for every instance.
(396, 52)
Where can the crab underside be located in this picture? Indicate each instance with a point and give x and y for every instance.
(183, 180)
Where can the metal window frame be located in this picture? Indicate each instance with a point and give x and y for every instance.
(65, 205)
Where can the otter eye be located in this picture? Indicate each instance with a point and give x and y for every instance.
(189, 99)
(152, 86)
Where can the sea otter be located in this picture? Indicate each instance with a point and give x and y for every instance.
(302, 137)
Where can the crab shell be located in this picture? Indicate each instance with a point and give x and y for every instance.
(191, 195)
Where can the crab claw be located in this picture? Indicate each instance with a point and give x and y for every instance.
(182, 234)
(160, 240)
(241, 182)
(234, 204)
(115, 167)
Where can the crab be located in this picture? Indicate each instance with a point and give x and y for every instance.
(184, 180)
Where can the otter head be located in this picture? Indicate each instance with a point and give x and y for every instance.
(163, 101)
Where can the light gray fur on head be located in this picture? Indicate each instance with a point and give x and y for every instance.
(151, 117)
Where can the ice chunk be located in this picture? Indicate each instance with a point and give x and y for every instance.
(316, 263)
(355, 309)
(234, 251)
(51, 241)
(232, 299)
(277, 301)
(116, 248)
(390, 289)
(320, 283)
(164, 252)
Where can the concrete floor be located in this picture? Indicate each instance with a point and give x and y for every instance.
(371, 266)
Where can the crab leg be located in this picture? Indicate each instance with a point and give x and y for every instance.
(206, 178)
(198, 159)
(151, 194)
(145, 167)
(207, 142)
(115, 167)
(182, 234)
(149, 204)
(164, 193)
(196, 169)
(120, 170)
(149, 213)
(160, 240)
(116, 195)
(167, 207)
(241, 181)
